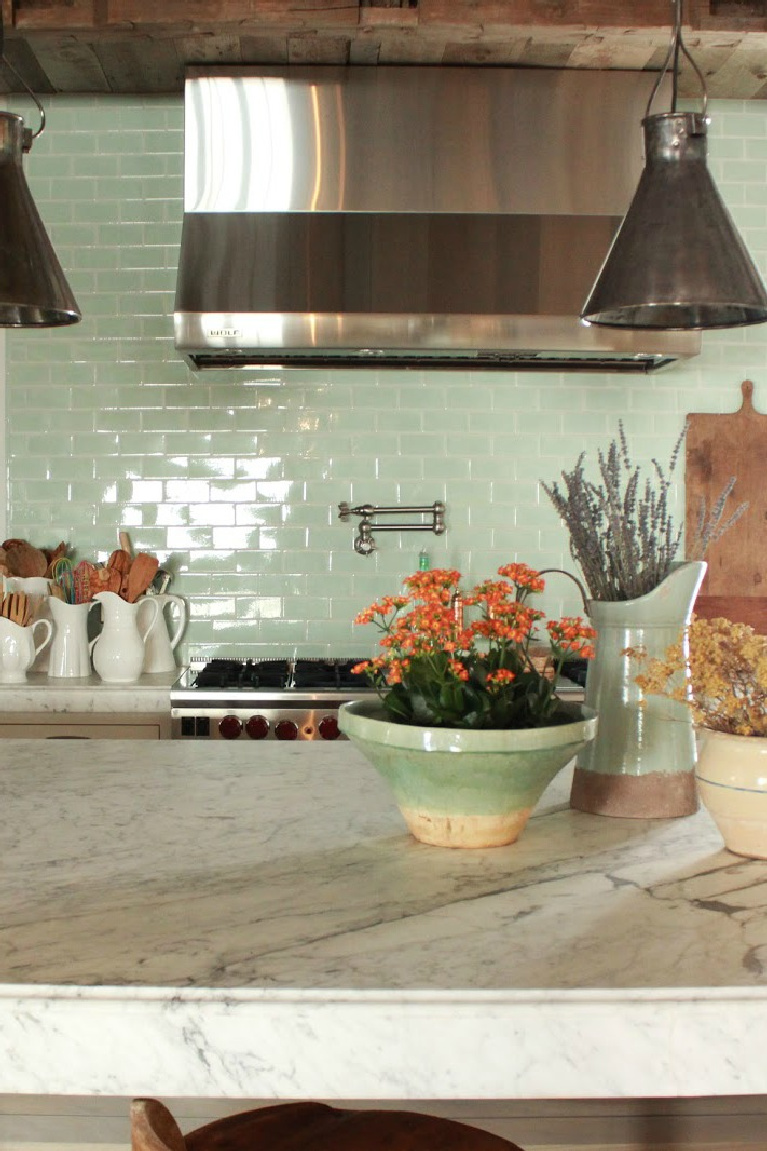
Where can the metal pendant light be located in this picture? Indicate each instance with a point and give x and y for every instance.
(677, 260)
(33, 288)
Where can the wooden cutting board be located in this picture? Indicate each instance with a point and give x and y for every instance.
(719, 446)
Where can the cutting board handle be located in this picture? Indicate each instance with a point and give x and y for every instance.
(747, 388)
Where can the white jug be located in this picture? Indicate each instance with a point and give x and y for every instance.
(159, 645)
(30, 585)
(118, 651)
(18, 648)
(70, 654)
(33, 585)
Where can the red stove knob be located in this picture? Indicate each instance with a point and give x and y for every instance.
(230, 727)
(328, 727)
(257, 727)
(286, 729)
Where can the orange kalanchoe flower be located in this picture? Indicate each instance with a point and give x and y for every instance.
(440, 670)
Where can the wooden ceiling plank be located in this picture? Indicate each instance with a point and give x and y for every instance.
(401, 17)
(21, 57)
(62, 17)
(365, 47)
(742, 75)
(264, 49)
(710, 61)
(70, 64)
(318, 49)
(407, 48)
(561, 13)
(155, 61)
(507, 52)
(208, 49)
(597, 52)
(60, 44)
(229, 13)
(551, 55)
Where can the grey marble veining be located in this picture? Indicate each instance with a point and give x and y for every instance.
(259, 917)
(87, 696)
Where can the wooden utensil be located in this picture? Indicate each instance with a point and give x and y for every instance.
(58, 552)
(140, 576)
(15, 608)
(119, 560)
(24, 560)
(85, 581)
(718, 447)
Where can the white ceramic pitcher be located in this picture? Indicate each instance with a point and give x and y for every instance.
(118, 651)
(33, 585)
(160, 641)
(18, 648)
(70, 654)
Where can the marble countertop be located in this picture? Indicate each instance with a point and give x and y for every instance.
(88, 695)
(252, 921)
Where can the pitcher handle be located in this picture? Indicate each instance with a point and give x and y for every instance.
(48, 633)
(152, 615)
(176, 599)
(92, 643)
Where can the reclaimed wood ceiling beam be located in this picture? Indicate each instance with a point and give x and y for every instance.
(135, 46)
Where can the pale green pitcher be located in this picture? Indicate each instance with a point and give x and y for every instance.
(641, 763)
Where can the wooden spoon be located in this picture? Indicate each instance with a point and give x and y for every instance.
(140, 576)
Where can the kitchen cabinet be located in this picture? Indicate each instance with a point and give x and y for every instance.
(43, 708)
(83, 727)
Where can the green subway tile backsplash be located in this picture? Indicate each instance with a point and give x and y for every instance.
(234, 479)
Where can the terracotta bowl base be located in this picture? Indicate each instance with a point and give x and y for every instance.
(466, 830)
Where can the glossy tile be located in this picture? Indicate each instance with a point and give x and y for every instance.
(235, 478)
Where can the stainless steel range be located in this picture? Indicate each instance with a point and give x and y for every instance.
(264, 699)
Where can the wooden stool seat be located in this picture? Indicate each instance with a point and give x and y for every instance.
(309, 1127)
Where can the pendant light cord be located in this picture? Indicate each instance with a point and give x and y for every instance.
(29, 135)
(676, 49)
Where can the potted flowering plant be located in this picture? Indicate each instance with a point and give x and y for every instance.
(438, 671)
(718, 670)
(467, 728)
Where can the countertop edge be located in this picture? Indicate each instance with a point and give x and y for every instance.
(371, 1045)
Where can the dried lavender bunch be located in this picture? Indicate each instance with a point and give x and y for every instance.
(621, 531)
(710, 526)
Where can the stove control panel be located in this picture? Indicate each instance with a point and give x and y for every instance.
(250, 724)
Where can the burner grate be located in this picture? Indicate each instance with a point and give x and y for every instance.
(240, 675)
(222, 674)
(332, 673)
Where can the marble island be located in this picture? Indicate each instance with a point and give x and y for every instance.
(253, 921)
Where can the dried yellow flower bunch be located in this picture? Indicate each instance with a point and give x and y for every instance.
(726, 685)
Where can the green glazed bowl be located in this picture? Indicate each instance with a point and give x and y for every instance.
(461, 788)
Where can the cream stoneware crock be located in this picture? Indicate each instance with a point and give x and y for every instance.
(731, 774)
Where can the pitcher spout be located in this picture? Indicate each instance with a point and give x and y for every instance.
(670, 603)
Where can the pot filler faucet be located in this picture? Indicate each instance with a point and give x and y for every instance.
(364, 542)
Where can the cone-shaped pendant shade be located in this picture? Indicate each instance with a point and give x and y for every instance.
(677, 260)
(33, 289)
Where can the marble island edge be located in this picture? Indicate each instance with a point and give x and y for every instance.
(285, 938)
(89, 695)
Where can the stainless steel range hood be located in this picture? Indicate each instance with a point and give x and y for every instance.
(406, 217)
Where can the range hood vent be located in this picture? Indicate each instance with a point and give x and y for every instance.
(407, 217)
